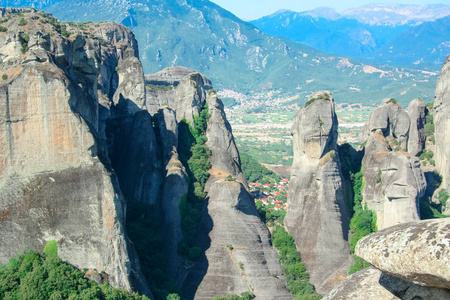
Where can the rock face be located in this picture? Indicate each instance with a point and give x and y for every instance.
(418, 252)
(229, 216)
(318, 217)
(442, 124)
(56, 181)
(417, 111)
(393, 180)
(373, 284)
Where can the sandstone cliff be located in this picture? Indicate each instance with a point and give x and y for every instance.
(442, 122)
(393, 179)
(60, 84)
(229, 216)
(318, 216)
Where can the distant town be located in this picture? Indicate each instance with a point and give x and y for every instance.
(274, 196)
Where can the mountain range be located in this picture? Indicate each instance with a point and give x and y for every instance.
(405, 35)
(237, 55)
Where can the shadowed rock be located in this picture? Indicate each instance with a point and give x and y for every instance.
(56, 180)
(373, 284)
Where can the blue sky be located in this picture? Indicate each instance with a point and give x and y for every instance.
(253, 9)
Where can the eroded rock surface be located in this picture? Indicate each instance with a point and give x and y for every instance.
(393, 179)
(56, 180)
(418, 252)
(442, 124)
(318, 217)
(417, 111)
(373, 284)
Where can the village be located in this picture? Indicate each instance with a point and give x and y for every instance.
(274, 196)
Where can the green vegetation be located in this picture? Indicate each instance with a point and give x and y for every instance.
(144, 231)
(229, 102)
(429, 127)
(160, 87)
(3, 29)
(173, 297)
(324, 96)
(427, 157)
(40, 277)
(22, 22)
(64, 31)
(4, 76)
(244, 296)
(255, 172)
(363, 222)
(51, 248)
(194, 154)
(443, 197)
(392, 100)
(25, 38)
(212, 91)
(379, 176)
(293, 268)
(271, 217)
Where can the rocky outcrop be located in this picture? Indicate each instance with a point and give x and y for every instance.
(58, 91)
(393, 180)
(373, 284)
(417, 111)
(182, 89)
(318, 216)
(411, 261)
(390, 120)
(442, 124)
(230, 218)
(418, 252)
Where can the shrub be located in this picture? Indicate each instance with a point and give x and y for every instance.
(22, 22)
(4, 76)
(3, 29)
(392, 100)
(379, 176)
(51, 248)
(443, 197)
(230, 247)
(212, 91)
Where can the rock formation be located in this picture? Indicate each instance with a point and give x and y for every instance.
(442, 122)
(417, 111)
(412, 261)
(371, 284)
(229, 216)
(418, 252)
(59, 89)
(393, 179)
(318, 216)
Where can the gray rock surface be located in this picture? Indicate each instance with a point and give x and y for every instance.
(418, 252)
(417, 112)
(56, 181)
(229, 215)
(389, 119)
(372, 284)
(186, 93)
(231, 219)
(442, 124)
(394, 181)
(318, 217)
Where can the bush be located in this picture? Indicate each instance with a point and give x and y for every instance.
(51, 248)
(4, 76)
(33, 276)
(3, 29)
(392, 100)
(291, 263)
(22, 22)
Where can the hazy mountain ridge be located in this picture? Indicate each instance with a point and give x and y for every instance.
(404, 35)
(201, 35)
